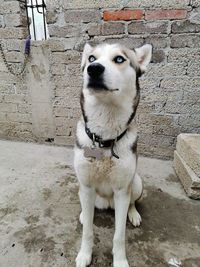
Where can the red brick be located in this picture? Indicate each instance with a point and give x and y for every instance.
(135, 14)
(165, 14)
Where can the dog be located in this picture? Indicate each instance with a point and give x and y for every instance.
(105, 153)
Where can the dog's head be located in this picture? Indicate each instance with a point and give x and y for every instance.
(113, 68)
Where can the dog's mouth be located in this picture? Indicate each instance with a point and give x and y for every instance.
(98, 85)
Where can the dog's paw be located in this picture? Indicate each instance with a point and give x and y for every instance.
(81, 217)
(134, 216)
(83, 259)
(121, 263)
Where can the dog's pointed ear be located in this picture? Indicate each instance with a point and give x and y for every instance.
(143, 55)
(86, 51)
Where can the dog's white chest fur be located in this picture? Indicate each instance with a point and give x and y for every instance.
(100, 175)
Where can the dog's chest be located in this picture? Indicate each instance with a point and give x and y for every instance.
(100, 169)
(100, 173)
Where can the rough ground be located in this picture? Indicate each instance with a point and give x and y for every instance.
(39, 210)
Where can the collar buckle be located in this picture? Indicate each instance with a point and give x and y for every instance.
(104, 143)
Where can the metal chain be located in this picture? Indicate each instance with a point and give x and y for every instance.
(10, 69)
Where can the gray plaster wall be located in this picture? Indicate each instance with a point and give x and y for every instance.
(43, 106)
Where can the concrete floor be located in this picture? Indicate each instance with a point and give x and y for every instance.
(39, 210)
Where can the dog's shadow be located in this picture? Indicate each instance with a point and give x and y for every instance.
(104, 218)
(104, 223)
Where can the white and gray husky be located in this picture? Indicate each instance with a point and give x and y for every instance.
(105, 151)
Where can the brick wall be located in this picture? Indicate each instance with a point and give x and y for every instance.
(170, 101)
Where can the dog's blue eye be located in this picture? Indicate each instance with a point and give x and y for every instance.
(92, 58)
(119, 59)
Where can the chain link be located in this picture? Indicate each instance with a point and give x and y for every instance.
(10, 69)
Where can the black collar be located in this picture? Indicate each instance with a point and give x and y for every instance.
(104, 143)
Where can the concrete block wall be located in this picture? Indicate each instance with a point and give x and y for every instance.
(170, 102)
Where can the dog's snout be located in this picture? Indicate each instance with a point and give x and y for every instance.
(95, 70)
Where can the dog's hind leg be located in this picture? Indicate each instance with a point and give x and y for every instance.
(137, 189)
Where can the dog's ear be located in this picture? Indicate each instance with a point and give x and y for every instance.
(86, 52)
(143, 55)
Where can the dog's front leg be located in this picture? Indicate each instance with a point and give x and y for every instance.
(87, 198)
(122, 201)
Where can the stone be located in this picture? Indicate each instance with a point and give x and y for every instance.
(64, 140)
(107, 28)
(8, 107)
(155, 151)
(195, 3)
(189, 122)
(185, 27)
(13, 44)
(193, 69)
(11, 7)
(167, 69)
(15, 20)
(2, 24)
(64, 130)
(185, 40)
(17, 117)
(183, 54)
(110, 28)
(68, 57)
(14, 98)
(157, 41)
(3, 67)
(188, 147)
(130, 42)
(64, 31)
(1, 98)
(118, 4)
(56, 45)
(58, 69)
(24, 108)
(3, 117)
(52, 17)
(13, 33)
(15, 56)
(166, 141)
(182, 107)
(189, 180)
(93, 29)
(147, 27)
(170, 83)
(158, 56)
(82, 16)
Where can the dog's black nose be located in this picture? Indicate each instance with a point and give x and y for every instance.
(95, 70)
